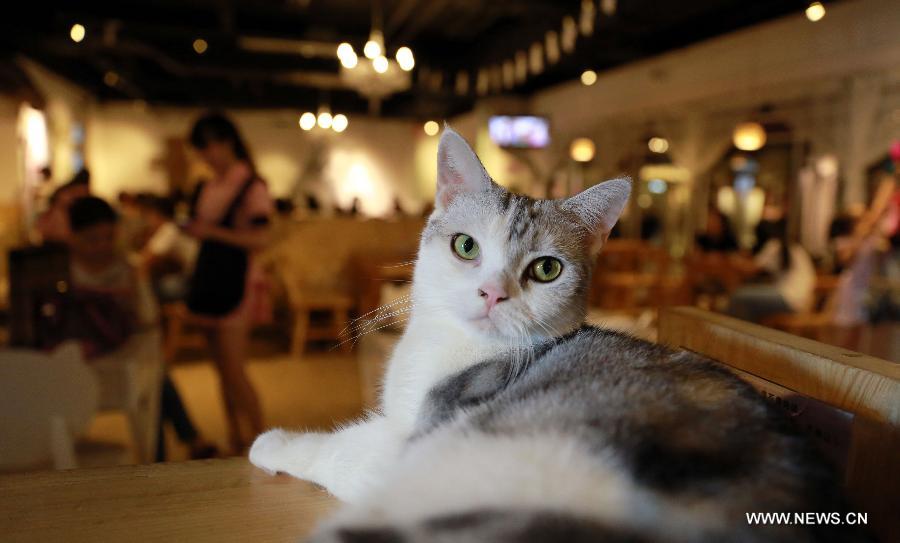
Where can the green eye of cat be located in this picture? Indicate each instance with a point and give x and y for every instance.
(465, 246)
(545, 269)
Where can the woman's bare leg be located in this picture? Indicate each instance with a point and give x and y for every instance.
(228, 345)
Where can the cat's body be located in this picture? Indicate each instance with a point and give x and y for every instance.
(500, 423)
(596, 436)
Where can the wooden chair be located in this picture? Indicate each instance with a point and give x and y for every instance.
(179, 335)
(304, 301)
(850, 400)
(633, 274)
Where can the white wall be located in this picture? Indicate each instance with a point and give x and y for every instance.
(372, 159)
(9, 162)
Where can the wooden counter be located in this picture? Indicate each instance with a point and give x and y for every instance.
(211, 500)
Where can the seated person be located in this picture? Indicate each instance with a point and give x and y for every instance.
(169, 254)
(109, 300)
(109, 297)
(785, 281)
(52, 225)
(718, 236)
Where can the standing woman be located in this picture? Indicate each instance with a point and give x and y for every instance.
(230, 217)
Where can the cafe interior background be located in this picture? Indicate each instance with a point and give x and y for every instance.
(751, 111)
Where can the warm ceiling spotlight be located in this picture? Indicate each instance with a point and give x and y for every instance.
(815, 11)
(200, 46)
(588, 77)
(325, 119)
(77, 32)
(111, 78)
(307, 120)
(380, 64)
(582, 150)
(658, 145)
(749, 136)
(405, 59)
(432, 128)
(339, 123)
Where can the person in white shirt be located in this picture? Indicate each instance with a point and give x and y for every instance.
(169, 254)
(790, 279)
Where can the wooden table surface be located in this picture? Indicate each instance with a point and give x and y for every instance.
(210, 500)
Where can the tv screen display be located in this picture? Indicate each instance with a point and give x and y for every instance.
(519, 131)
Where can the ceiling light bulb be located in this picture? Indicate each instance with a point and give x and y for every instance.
(380, 64)
(582, 150)
(432, 128)
(658, 145)
(588, 77)
(77, 32)
(325, 119)
(405, 59)
(200, 46)
(815, 11)
(372, 49)
(339, 123)
(307, 120)
(345, 49)
(749, 136)
(349, 60)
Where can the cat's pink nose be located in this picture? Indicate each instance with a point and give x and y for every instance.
(493, 294)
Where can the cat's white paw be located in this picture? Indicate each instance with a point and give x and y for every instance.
(268, 450)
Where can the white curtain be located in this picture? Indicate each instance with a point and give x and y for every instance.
(696, 144)
(856, 142)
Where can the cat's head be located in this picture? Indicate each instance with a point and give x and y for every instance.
(505, 265)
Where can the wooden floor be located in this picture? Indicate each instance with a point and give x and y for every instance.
(315, 392)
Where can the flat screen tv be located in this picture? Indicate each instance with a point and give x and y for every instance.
(519, 131)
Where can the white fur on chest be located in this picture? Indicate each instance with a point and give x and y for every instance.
(428, 352)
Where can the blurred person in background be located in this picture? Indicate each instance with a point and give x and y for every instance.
(107, 293)
(231, 218)
(53, 224)
(783, 281)
(168, 255)
(860, 238)
(718, 236)
(110, 300)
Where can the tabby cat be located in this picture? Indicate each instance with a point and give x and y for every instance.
(503, 418)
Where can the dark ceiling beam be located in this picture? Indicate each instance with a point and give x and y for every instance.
(424, 17)
(398, 17)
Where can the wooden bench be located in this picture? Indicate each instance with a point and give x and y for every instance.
(795, 371)
(211, 500)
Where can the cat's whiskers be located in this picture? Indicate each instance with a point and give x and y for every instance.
(369, 325)
(401, 300)
(398, 265)
(355, 339)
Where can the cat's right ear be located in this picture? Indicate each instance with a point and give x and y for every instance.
(600, 207)
(458, 169)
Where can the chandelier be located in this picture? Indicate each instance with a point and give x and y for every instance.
(376, 76)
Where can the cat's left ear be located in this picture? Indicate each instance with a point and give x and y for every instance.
(600, 207)
(458, 169)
